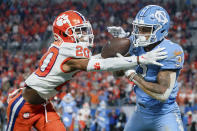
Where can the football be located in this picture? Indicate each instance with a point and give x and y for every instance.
(115, 45)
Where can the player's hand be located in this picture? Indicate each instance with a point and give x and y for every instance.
(129, 72)
(153, 56)
(117, 32)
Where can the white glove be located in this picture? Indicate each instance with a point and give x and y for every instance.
(128, 72)
(117, 32)
(153, 56)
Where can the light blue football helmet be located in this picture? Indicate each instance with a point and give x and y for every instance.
(154, 17)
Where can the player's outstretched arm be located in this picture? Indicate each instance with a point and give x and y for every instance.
(160, 90)
(115, 63)
(117, 31)
(109, 64)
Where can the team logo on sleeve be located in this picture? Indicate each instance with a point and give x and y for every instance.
(97, 66)
(176, 53)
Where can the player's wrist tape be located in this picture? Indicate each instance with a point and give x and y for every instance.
(132, 76)
(112, 64)
(128, 72)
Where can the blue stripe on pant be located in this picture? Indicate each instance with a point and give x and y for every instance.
(14, 110)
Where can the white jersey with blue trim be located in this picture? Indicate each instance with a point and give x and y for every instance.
(174, 61)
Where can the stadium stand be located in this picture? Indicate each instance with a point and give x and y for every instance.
(26, 27)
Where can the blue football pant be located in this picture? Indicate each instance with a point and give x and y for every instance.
(140, 121)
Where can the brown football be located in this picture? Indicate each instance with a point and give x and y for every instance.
(115, 45)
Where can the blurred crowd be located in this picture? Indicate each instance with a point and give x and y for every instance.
(26, 25)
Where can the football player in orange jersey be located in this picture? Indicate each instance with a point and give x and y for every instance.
(66, 56)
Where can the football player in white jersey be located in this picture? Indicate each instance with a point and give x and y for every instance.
(67, 55)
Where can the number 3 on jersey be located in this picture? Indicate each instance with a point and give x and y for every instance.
(47, 62)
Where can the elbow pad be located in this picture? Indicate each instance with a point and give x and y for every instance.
(112, 64)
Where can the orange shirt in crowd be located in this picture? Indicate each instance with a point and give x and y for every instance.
(94, 98)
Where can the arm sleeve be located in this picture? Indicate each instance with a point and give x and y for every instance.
(112, 64)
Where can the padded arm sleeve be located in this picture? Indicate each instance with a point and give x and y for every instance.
(112, 64)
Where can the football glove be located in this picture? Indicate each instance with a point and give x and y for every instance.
(117, 32)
